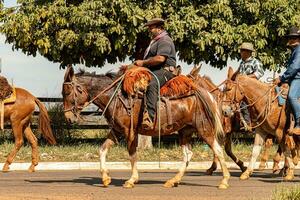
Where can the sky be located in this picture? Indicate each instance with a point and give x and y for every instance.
(44, 78)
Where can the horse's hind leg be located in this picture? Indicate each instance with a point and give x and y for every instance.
(228, 150)
(34, 147)
(213, 166)
(185, 137)
(18, 135)
(110, 141)
(133, 161)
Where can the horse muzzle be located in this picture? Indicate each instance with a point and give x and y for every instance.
(70, 117)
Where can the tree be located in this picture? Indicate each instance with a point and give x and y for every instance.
(97, 31)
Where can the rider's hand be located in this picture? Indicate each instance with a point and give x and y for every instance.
(277, 82)
(139, 63)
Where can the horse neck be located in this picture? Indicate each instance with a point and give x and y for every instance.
(255, 92)
(207, 84)
(95, 86)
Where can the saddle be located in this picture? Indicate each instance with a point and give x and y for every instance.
(10, 99)
(137, 79)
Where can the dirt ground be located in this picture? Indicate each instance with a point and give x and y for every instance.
(75, 185)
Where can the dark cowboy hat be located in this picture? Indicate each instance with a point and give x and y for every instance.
(155, 21)
(294, 32)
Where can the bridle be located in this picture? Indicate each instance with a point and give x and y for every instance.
(264, 113)
(75, 86)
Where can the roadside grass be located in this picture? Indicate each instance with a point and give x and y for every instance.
(285, 192)
(89, 152)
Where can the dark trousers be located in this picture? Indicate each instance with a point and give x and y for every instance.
(152, 90)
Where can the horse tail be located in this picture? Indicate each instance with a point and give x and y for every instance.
(211, 111)
(44, 123)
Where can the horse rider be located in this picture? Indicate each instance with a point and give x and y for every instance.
(292, 76)
(251, 67)
(160, 59)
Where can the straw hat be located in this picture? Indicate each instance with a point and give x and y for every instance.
(247, 46)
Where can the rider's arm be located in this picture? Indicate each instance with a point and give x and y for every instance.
(293, 66)
(259, 72)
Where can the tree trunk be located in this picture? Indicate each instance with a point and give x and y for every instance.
(144, 142)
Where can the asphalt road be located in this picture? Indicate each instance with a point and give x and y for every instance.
(86, 185)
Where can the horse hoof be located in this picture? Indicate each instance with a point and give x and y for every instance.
(223, 186)
(106, 182)
(244, 176)
(128, 185)
(288, 177)
(170, 184)
(209, 172)
(5, 168)
(31, 169)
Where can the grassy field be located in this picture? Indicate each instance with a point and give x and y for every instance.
(89, 152)
(286, 192)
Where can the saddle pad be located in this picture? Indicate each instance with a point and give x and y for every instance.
(178, 86)
(12, 98)
(281, 99)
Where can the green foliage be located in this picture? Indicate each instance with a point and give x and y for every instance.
(97, 31)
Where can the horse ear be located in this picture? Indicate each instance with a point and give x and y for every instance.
(195, 71)
(230, 73)
(69, 74)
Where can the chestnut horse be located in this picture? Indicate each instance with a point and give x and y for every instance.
(190, 114)
(271, 118)
(19, 114)
(228, 124)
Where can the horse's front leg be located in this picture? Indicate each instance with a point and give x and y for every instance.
(18, 134)
(266, 152)
(106, 179)
(258, 142)
(187, 155)
(133, 161)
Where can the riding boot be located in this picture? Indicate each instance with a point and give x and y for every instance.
(147, 123)
(296, 130)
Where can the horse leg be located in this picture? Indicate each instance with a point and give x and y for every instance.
(290, 170)
(106, 179)
(228, 150)
(133, 161)
(18, 134)
(277, 159)
(34, 146)
(258, 142)
(265, 153)
(187, 155)
(213, 166)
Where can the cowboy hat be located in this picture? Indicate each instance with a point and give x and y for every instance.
(247, 46)
(155, 21)
(294, 32)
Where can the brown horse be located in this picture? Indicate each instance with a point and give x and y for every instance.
(271, 119)
(19, 114)
(191, 113)
(228, 126)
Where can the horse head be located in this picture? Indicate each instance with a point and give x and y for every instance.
(232, 94)
(75, 96)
